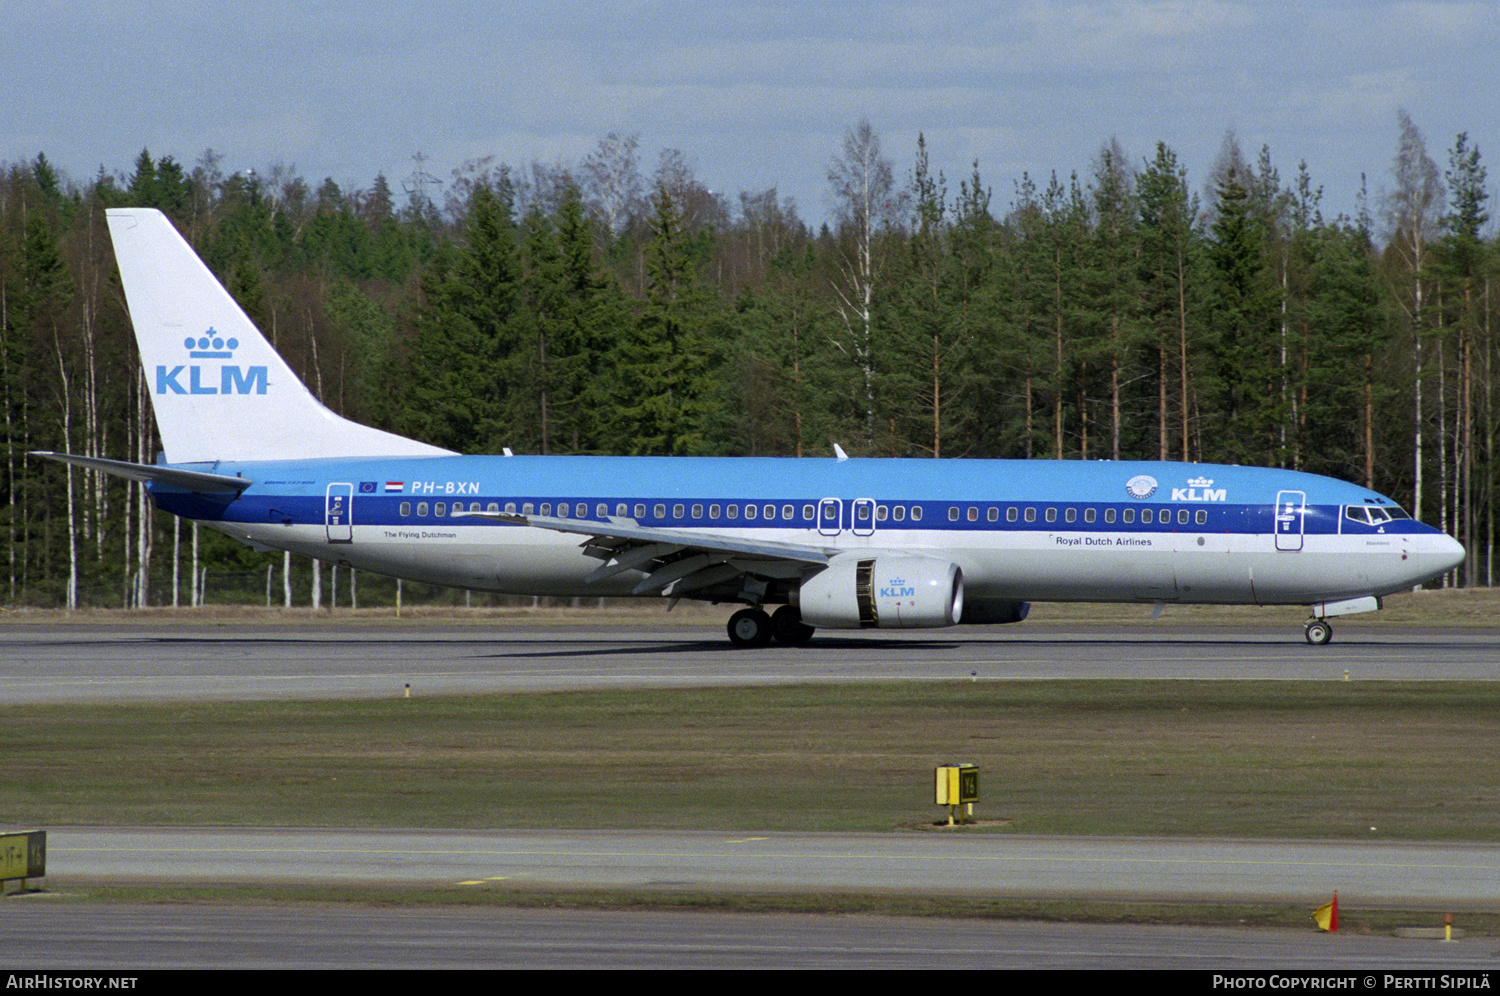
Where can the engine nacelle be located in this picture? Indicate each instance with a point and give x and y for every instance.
(994, 611)
(888, 591)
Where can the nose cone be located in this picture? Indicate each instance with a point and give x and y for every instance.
(1447, 553)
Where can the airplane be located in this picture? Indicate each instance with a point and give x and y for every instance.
(833, 543)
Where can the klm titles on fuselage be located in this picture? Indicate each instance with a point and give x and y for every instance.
(231, 378)
(1199, 489)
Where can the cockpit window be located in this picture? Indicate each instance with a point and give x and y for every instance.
(1374, 515)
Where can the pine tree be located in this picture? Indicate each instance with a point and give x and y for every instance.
(666, 367)
(461, 390)
(1247, 385)
(1168, 275)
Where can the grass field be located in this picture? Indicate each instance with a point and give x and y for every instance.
(1361, 760)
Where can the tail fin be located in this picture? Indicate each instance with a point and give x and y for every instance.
(219, 390)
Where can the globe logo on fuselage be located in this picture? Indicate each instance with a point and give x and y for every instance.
(202, 378)
(1141, 486)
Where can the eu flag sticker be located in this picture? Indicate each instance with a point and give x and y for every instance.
(367, 487)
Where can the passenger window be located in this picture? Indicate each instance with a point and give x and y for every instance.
(1109, 516)
(953, 513)
(1089, 515)
(493, 506)
(697, 511)
(862, 512)
(1010, 514)
(1070, 515)
(1182, 516)
(916, 513)
(900, 513)
(713, 511)
(601, 510)
(807, 512)
(677, 511)
(405, 509)
(527, 508)
(546, 508)
(1030, 514)
(749, 511)
(787, 512)
(993, 514)
(880, 513)
(733, 512)
(973, 514)
(440, 509)
(1147, 516)
(769, 511)
(421, 508)
(1201, 516)
(640, 510)
(1051, 515)
(660, 511)
(1127, 516)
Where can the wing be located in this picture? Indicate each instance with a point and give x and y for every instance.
(693, 564)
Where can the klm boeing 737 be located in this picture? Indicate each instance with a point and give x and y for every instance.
(837, 543)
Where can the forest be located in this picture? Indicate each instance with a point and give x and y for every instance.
(613, 306)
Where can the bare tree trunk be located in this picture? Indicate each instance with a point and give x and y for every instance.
(71, 597)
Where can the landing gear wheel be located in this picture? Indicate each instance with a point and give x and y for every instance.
(1318, 632)
(788, 628)
(750, 628)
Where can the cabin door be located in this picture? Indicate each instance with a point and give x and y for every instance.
(338, 513)
(1291, 512)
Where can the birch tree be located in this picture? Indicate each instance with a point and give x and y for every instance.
(865, 203)
(1412, 213)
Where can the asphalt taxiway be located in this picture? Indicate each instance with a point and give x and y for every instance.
(84, 663)
(177, 661)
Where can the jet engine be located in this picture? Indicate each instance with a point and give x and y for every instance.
(888, 591)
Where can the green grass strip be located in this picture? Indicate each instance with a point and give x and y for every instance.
(1338, 760)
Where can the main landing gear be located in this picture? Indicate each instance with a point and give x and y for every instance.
(753, 628)
(1318, 632)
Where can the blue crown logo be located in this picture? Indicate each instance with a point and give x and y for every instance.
(211, 346)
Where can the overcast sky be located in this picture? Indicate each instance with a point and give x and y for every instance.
(755, 93)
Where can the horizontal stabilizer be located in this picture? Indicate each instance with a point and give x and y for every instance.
(188, 480)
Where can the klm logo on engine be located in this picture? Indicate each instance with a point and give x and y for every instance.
(897, 588)
(202, 378)
(1199, 489)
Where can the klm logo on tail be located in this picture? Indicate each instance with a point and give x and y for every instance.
(231, 379)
